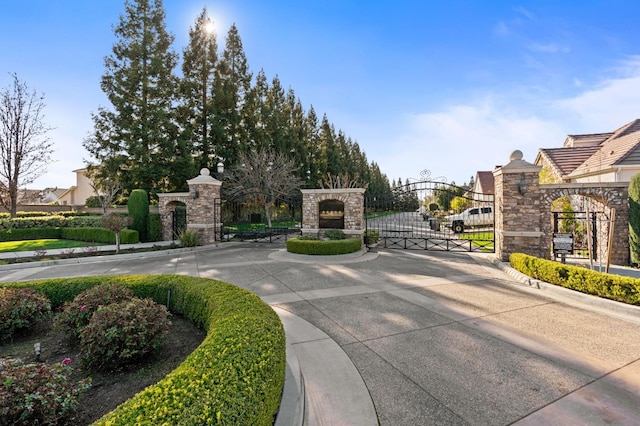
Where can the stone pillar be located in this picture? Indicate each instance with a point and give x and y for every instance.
(202, 217)
(518, 209)
(353, 199)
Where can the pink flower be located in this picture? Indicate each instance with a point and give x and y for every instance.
(66, 361)
(83, 307)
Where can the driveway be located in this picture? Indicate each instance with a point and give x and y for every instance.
(433, 337)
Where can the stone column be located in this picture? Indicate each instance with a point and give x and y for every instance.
(518, 209)
(204, 191)
(353, 199)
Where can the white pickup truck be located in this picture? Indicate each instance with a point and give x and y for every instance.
(476, 216)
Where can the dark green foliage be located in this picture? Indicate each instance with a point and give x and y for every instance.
(99, 235)
(615, 287)
(154, 227)
(243, 335)
(20, 309)
(30, 234)
(188, 238)
(138, 206)
(50, 221)
(94, 201)
(121, 333)
(319, 247)
(634, 219)
(38, 393)
(334, 234)
(76, 314)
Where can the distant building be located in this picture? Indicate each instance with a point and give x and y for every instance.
(483, 187)
(77, 195)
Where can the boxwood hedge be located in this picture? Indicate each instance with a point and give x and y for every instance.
(234, 377)
(323, 247)
(89, 234)
(615, 287)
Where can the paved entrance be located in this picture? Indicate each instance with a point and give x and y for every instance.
(433, 337)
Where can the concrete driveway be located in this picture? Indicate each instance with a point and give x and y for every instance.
(422, 337)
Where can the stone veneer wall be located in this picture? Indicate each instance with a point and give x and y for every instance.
(353, 199)
(201, 210)
(524, 223)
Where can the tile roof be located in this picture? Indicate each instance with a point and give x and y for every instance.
(622, 147)
(566, 160)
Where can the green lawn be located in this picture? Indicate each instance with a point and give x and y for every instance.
(32, 245)
(481, 240)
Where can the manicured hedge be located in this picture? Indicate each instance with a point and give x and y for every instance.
(615, 287)
(92, 234)
(235, 377)
(323, 247)
(55, 221)
(30, 234)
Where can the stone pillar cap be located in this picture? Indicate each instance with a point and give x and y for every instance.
(204, 178)
(517, 165)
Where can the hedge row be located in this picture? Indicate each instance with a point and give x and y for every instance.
(323, 247)
(69, 213)
(235, 377)
(615, 287)
(56, 221)
(92, 234)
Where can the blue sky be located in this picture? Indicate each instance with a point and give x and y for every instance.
(449, 86)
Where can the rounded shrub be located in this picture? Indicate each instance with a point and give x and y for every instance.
(38, 393)
(20, 309)
(188, 238)
(138, 206)
(122, 333)
(75, 315)
(326, 247)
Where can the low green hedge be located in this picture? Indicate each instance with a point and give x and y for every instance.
(99, 235)
(89, 234)
(615, 287)
(235, 377)
(54, 221)
(323, 247)
(30, 234)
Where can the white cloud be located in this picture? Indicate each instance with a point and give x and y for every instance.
(549, 48)
(608, 105)
(462, 139)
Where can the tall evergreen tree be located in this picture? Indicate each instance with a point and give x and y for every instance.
(233, 81)
(136, 137)
(199, 128)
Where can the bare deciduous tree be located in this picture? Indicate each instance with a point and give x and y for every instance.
(116, 223)
(25, 149)
(263, 176)
(105, 187)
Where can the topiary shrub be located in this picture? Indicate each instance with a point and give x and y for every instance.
(154, 227)
(319, 247)
(38, 393)
(20, 309)
(121, 333)
(76, 314)
(138, 206)
(30, 234)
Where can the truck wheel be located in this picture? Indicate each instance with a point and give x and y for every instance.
(458, 227)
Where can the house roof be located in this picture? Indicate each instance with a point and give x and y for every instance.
(485, 182)
(621, 148)
(591, 139)
(566, 160)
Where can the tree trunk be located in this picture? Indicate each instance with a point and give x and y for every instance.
(117, 242)
(266, 210)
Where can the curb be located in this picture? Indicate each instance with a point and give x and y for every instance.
(608, 306)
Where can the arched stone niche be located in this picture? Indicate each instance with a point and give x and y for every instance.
(316, 201)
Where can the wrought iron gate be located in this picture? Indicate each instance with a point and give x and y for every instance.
(178, 221)
(431, 215)
(576, 224)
